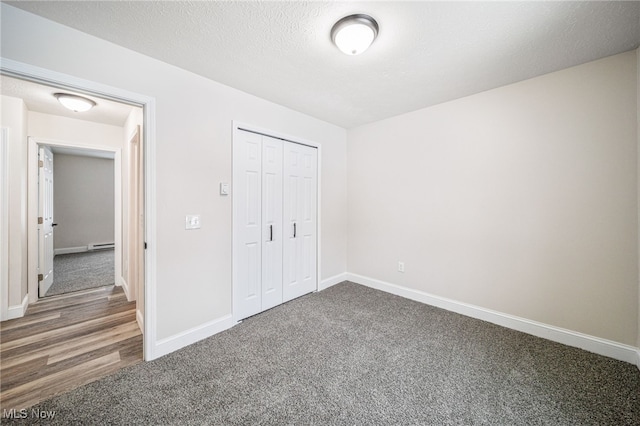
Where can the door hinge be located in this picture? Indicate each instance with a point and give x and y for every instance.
(145, 245)
(40, 163)
(40, 277)
(40, 221)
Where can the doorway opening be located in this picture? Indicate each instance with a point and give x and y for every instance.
(91, 323)
(80, 222)
(97, 198)
(23, 289)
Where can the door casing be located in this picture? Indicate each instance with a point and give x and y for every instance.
(4, 223)
(32, 210)
(135, 277)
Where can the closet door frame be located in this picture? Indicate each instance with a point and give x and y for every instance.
(236, 127)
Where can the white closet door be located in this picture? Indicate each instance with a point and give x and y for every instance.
(247, 182)
(271, 222)
(300, 227)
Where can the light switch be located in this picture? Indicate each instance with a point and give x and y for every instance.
(192, 221)
(224, 188)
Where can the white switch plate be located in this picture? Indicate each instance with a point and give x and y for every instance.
(192, 221)
(224, 188)
(400, 266)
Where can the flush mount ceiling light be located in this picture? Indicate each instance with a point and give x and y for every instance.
(354, 34)
(74, 102)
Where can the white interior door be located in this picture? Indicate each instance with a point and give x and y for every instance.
(300, 217)
(45, 220)
(271, 222)
(247, 183)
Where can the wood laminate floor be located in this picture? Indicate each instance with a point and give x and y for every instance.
(64, 342)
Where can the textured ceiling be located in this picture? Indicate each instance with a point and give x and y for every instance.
(426, 52)
(39, 98)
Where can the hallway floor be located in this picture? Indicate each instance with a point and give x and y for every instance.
(64, 342)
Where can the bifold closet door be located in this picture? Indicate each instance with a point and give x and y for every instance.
(258, 223)
(247, 183)
(300, 220)
(271, 222)
(275, 229)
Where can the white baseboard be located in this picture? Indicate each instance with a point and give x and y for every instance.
(67, 250)
(336, 279)
(17, 311)
(589, 343)
(188, 337)
(638, 358)
(140, 319)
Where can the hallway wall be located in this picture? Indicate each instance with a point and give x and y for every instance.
(83, 193)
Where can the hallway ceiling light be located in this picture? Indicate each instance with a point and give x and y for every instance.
(354, 34)
(74, 102)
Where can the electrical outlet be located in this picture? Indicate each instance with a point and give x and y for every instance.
(400, 266)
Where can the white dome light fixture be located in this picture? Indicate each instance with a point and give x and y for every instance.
(354, 34)
(74, 102)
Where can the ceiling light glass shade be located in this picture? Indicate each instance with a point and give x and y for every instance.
(74, 102)
(354, 34)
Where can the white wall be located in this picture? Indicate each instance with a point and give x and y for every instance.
(83, 192)
(521, 199)
(193, 154)
(74, 130)
(638, 194)
(14, 117)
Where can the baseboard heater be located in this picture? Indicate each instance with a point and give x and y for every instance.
(100, 246)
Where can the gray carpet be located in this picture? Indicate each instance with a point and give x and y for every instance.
(351, 355)
(82, 271)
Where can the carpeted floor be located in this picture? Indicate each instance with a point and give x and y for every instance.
(82, 271)
(350, 355)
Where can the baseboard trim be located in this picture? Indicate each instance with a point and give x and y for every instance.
(331, 281)
(140, 319)
(17, 311)
(68, 250)
(589, 343)
(188, 337)
(638, 359)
